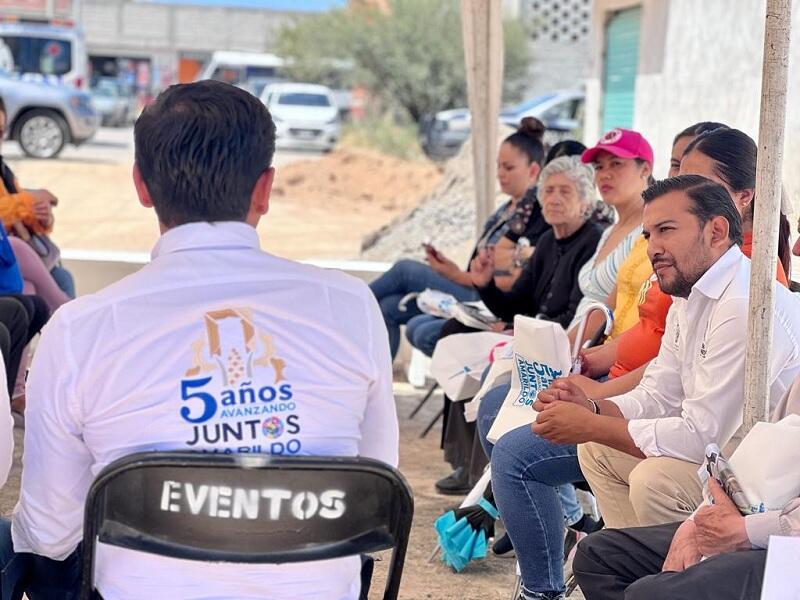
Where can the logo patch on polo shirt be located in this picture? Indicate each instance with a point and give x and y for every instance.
(236, 395)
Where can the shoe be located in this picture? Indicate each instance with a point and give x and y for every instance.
(588, 525)
(455, 484)
(502, 545)
(539, 596)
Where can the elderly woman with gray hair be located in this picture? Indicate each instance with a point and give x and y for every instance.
(548, 286)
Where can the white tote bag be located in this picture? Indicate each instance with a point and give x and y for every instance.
(541, 355)
(766, 463)
(499, 374)
(459, 361)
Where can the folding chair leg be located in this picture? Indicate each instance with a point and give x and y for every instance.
(433, 422)
(422, 402)
(571, 585)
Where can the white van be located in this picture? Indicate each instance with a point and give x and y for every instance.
(239, 68)
(46, 52)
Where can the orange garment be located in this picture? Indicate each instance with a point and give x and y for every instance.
(18, 207)
(639, 344)
(747, 250)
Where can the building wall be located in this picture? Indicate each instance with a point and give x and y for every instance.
(558, 43)
(163, 33)
(700, 61)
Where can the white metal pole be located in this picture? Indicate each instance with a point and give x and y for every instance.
(482, 29)
(767, 209)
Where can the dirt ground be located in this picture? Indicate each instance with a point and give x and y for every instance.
(422, 464)
(321, 207)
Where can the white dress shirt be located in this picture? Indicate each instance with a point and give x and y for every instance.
(692, 393)
(6, 428)
(213, 345)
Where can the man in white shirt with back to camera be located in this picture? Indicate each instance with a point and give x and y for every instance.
(214, 345)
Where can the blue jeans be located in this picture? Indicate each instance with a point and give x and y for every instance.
(39, 577)
(405, 277)
(531, 479)
(64, 280)
(423, 331)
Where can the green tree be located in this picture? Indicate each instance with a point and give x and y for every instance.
(412, 57)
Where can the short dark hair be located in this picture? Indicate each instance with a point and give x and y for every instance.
(200, 148)
(709, 200)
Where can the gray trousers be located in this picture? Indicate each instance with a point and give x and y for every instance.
(626, 563)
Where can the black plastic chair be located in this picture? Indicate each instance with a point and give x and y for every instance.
(328, 507)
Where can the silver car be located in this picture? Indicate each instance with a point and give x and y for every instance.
(305, 115)
(113, 102)
(44, 117)
(442, 135)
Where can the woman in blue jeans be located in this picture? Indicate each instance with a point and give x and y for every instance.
(519, 162)
(530, 480)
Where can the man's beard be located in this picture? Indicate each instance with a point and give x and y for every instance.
(683, 281)
(680, 286)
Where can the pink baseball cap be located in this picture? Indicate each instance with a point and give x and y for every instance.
(624, 143)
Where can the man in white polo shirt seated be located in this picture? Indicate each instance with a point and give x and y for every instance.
(215, 346)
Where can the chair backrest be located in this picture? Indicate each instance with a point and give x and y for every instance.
(248, 509)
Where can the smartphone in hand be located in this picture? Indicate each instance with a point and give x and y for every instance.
(432, 252)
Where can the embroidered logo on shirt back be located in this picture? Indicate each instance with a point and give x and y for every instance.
(236, 393)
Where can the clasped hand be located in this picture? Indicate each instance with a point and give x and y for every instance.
(565, 415)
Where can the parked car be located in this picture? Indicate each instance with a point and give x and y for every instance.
(42, 117)
(115, 104)
(305, 115)
(442, 134)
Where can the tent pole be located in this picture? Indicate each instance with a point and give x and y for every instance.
(482, 32)
(767, 209)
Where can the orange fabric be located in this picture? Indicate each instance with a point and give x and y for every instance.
(18, 207)
(639, 344)
(747, 250)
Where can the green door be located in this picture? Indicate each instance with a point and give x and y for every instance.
(622, 59)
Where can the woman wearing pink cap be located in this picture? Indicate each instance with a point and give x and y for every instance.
(623, 162)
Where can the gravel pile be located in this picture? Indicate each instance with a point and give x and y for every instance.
(445, 218)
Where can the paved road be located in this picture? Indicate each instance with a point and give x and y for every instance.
(115, 146)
